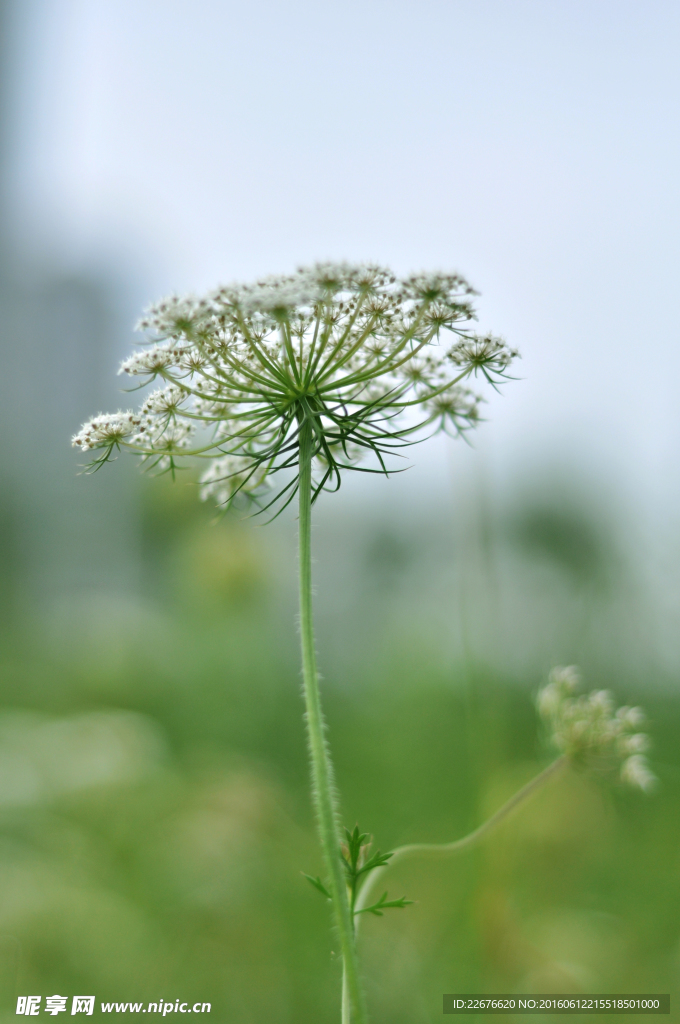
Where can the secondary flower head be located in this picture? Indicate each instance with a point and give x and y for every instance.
(364, 359)
(592, 732)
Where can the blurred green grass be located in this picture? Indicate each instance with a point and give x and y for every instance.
(155, 808)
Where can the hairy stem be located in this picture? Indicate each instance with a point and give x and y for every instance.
(322, 771)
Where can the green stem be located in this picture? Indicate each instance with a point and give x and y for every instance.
(346, 1013)
(323, 790)
(443, 849)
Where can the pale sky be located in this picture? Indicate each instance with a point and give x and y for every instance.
(531, 144)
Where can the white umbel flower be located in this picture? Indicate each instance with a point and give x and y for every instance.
(591, 731)
(153, 362)
(107, 429)
(164, 401)
(349, 350)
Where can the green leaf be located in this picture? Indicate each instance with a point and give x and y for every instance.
(378, 860)
(355, 841)
(318, 884)
(385, 904)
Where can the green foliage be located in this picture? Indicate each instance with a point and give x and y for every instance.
(186, 879)
(569, 537)
(382, 904)
(356, 856)
(359, 862)
(318, 884)
(182, 877)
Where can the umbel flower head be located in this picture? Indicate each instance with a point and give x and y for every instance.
(592, 732)
(364, 359)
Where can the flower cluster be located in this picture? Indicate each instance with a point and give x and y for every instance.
(350, 351)
(592, 732)
(107, 429)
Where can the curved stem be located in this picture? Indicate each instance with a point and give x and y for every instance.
(443, 849)
(323, 790)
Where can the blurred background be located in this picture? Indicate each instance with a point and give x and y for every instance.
(153, 775)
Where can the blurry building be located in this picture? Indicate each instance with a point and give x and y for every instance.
(60, 532)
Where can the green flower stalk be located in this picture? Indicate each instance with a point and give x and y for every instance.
(590, 733)
(277, 389)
